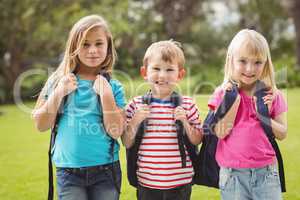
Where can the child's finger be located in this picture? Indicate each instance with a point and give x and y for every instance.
(178, 108)
(268, 98)
(75, 83)
(143, 107)
(269, 92)
(71, 77)
(267, 101)
(228, 86)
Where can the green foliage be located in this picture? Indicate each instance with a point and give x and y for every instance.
(35, 32)
(286, 72)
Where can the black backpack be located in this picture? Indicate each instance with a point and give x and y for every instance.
(208, 169)
(52, 142)
(132, 152)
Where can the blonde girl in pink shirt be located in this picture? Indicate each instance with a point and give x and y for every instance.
(246, 157)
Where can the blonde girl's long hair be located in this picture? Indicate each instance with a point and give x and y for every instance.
(250, 43)
(76, 38)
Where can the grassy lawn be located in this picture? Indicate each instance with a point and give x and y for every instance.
(23, 156)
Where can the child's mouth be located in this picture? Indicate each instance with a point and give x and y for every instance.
(161, 83)
(248, 76)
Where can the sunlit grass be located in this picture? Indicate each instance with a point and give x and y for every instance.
(23, 155)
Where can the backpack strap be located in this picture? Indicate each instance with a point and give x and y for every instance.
(52, 143)
(146, 99)
(214, 117)
(208, 167)
(112, 140)
(177, 100)
(132, 152)
(50, 150)
(50, 166)
(265, 121)
(207, 170)
(183, 140)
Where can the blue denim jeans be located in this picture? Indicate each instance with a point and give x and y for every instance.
(253, 183)
(89, 183)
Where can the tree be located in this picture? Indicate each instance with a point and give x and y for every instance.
(179, 15)
(31, 32)
(36, 31)
(293, 6)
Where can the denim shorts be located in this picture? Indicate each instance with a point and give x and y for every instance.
(251, 183)
(89, 183)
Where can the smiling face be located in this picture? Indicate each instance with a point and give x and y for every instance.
(162, 76)
(247, 69)
(94, 48)
(248, 60)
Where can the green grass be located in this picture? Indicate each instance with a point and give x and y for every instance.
(23, 156)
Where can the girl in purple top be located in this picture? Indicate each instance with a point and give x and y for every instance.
(246, 157)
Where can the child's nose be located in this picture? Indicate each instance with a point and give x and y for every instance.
(249, 67)
(92, 49)
(162, 73)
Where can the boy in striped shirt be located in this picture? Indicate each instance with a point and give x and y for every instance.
(160, 173)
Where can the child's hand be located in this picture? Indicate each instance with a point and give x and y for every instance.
(101, 85)
(67, 84)
(142, 112)
(268, 99)
(180, 114)
(229, 85)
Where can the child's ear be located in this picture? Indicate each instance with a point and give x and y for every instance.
(181, 73)
(143, 72)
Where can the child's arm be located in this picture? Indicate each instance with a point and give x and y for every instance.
(279, 126)
(194, 134)
(223, 127)
(113, 116)
(140, 115)
(45, 111)
(279, 123)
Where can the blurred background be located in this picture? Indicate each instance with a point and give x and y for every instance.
(33, 34)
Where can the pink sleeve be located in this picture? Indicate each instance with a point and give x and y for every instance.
(279, 105)
(216, 98)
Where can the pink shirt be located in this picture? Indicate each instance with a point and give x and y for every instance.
(247, 146)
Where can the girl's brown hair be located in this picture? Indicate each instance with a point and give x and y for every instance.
(76, 38)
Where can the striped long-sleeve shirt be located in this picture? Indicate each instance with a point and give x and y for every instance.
(159, 161)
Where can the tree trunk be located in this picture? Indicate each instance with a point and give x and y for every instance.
(294, 11)
(296, 17)
(177, 15)
(11, 72)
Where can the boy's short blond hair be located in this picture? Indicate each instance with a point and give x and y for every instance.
(170, 51)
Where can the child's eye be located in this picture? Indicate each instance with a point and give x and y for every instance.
(156, 69)
(242, 61)
(85, 45)
(170, 70)
(258, 62)
(98, 44)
